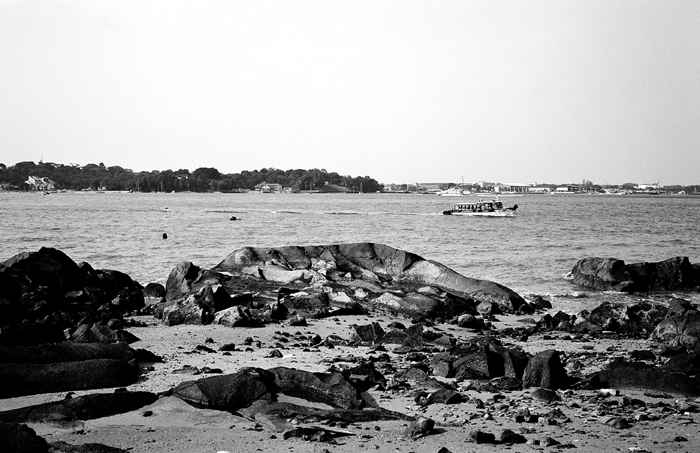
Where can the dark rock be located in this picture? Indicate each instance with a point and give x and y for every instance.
(604, 274)
(677, 376)
(468, 321)
(635, 319)
(509, 437)
(236, 317)
(420, 427)
(374, 263)
(228, 392)
(482, 437)
(680, 331)
(65, 352)
(329, 388)
(87, 407)
(19, 438)
(298, 321)
(367, 334)
(154, 290)
(541, 302)
(642, 354)
(545, 370)
(28, 378)
(100, 333)
(547, 395)
(91, 447)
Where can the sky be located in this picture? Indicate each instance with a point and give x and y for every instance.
(519, 91)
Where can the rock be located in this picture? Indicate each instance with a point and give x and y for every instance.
(65, 352)
(154, 290)
(236, 317)
(100, 333)
(367, 334)
(481, 359)
(604, 274)
(30, 378)
(87, 407)
(481, 437)
(187, 278)
(420, 427)
(329, 388)
(91, 447)
(677, 376)
(541, 302)
(298, 321)
(375, 264)
(19, 438)
(228, 392)
(190, 310)
(635, 319)
(546, 395)
(509, 437)
(45, 292)
(680, 331)
(545, 370)
(468, 321)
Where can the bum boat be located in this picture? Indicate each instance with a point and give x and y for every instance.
(482, 208)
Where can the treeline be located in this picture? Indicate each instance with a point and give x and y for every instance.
(204, 179)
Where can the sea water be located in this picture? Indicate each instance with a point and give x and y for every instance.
(532, 253)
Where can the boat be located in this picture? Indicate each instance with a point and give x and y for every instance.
(453, 192)
(481, 208)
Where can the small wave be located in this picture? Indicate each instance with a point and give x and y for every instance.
(224, 211)
(568, 276)
(344, 213)
(285, 212)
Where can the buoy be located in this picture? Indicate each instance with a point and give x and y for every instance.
(233, 217)
(165, 235)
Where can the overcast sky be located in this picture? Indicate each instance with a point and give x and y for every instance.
(403, 91)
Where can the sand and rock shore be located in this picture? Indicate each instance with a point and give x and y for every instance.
(340, 348)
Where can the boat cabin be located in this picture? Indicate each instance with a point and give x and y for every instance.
(480, 206)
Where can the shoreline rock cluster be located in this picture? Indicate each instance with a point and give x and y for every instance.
(64, 328)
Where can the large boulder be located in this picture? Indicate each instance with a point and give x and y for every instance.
(630, 319)
(681, 331)
(328, 388)
(484, 358)
(228, 392)
(66, 352)
(378, 265)
(19, 438)
(19, 379)
(45, 292)
(545, 370)
(609, 273)
(678, 376)
(86, 407)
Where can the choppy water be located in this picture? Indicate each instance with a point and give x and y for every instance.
(529, 253)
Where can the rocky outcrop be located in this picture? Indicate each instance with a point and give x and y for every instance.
(87, 407)
(612, 274)
(45, 292)
(680, 331)
(677, 376)
(545, 370)
(377, 264)
(31, 378)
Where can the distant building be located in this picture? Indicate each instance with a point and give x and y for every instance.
(652, 186)
(433, 186)
(511, 188)
(37, 183)
(268, 188)
(573, 188)
(540, 189)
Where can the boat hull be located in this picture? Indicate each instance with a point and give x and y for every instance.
(508, 213)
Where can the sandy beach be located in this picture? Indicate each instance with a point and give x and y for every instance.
(582, 419)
